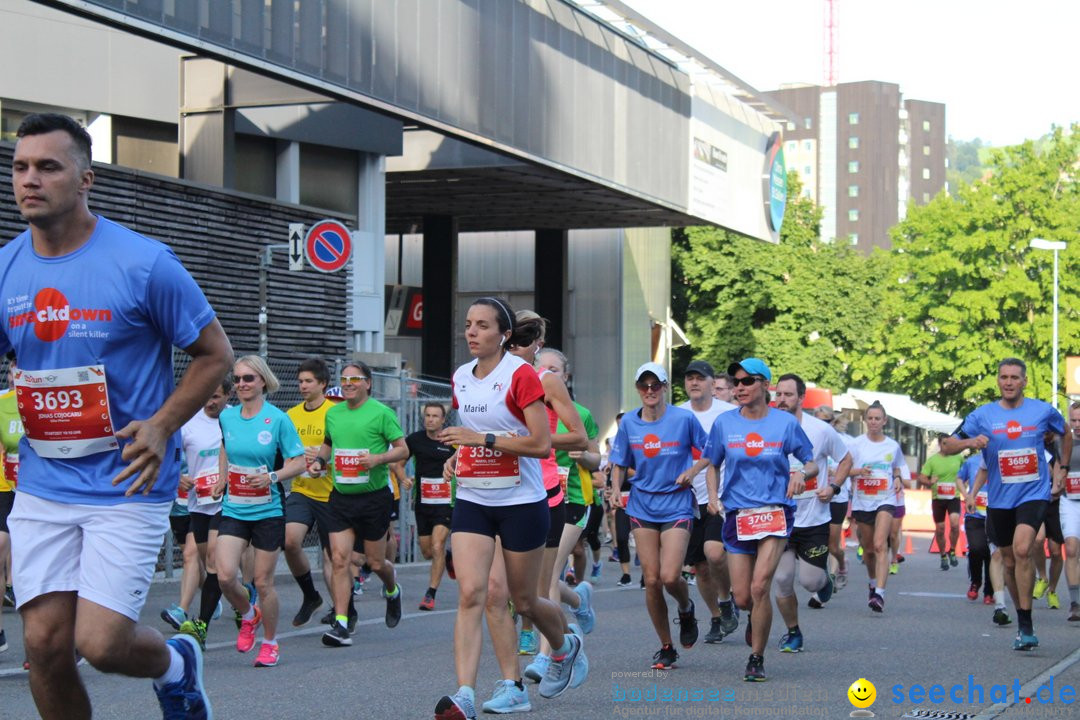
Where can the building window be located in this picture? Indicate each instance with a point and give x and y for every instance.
(807, 122)
(853, 118)
(807, 171)
(790, 126)
(853, 143)
(926, 173)
(926, 125)
(853, 238)
(853, 166)
(853, 191)
(792, 147)
(925, 198)
(808, 145)
(853, 215)
(926, 150)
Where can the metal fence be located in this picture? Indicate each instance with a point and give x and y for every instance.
(404, 394)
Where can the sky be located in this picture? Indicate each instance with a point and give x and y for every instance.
(1005, 70)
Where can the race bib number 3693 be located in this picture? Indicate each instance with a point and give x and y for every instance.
(65, 412)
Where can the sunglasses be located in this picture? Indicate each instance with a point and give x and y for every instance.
(650, 387)
(248, 379)
(352, 379)
(749, 380)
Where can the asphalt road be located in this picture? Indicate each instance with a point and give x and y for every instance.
(929, 634)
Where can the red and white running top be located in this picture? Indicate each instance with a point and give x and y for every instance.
(494, 404)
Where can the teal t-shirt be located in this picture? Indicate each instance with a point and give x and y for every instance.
(370, 429)
(263, 441)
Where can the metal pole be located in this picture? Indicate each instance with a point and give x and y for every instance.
(1054, 402)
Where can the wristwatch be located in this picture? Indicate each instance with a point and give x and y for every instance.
(489, 441)
(273, 476)
(836, 488)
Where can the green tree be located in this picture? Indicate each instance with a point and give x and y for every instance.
(800, 305)
(964, 289)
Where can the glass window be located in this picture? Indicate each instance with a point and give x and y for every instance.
(926, 197)
(853, 238)
(808, 145)
(853, 118)
(853, 215)
(792, 147)
(853, 191)
(926, 173)
(807, 123)
(926, 125)
(853, 166)
(925, 149)
(853, 143)
(790, 126)
(807, 171)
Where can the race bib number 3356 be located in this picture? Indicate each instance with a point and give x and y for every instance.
(65, 412)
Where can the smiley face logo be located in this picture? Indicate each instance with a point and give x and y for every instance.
(862, 693)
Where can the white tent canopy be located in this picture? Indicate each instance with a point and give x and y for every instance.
(906, 410)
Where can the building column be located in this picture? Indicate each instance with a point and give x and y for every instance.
(207, 123)
(440, 291)
(287, 187)
(368, 264)
(549, 287)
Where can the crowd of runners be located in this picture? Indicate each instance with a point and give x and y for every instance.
(741, 491)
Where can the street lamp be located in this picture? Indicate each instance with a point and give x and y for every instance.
(1055, 245)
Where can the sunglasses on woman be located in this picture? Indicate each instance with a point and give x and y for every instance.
(247, 379)
(650, 387)
(749, 380)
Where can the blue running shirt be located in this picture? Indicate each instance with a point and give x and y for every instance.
(755, 457)
(659, 452)
(263, 441)
(93, 331)
(1016, 469)
(967, 473)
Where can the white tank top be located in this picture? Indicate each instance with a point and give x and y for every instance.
(495, 404)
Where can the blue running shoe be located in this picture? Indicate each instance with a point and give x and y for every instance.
(528, 642)
(584, 613)
(791, 642)
(174, 615)
(537, 669)
(508, 698)
(560, 673)
(597, 568)
(253, 593)
(459, 706)
(186, 699)
(1025, 642)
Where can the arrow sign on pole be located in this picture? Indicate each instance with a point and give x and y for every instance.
(296, 247)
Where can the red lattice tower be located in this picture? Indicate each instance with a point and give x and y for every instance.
(832, 24)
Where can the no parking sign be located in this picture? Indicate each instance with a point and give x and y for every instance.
(328, 246)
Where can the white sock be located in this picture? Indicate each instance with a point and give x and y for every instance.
(250, 614)
(999, 600)
(880, 592)
(873, 584)
(175, 673)
(272, 642)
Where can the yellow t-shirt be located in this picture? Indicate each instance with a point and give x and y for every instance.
(311, 425)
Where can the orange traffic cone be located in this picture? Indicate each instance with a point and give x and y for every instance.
(907, 545)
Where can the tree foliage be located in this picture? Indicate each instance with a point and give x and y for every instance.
(964, 289)
(801, 305)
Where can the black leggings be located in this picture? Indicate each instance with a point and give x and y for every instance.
(622, 534)
(978, 553)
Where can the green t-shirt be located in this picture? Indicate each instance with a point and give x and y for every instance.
(368, 429)
(574, 492)
(944, 468)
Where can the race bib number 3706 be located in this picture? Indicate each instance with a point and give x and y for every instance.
(65, 412)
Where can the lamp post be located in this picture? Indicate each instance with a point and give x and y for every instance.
(1056, 246)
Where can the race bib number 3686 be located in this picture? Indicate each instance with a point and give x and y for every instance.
(65, 412)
